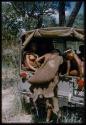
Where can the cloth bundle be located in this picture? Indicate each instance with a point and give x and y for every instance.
(47, 71)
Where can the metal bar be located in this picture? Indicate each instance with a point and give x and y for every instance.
(68, 76)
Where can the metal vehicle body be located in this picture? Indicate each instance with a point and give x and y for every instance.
(67, 88)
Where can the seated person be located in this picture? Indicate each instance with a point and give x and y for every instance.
(73, 63)
(30, 61)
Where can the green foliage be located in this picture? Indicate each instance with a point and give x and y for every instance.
(10, 60)
(9, 28)
(14, 17)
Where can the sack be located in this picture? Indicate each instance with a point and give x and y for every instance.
(47, 72)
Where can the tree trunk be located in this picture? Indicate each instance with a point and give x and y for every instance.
(61, 13)
(62, 18)
(74, 14)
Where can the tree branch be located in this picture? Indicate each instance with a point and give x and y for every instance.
(61, 13)
(16, 9)
(74, 14)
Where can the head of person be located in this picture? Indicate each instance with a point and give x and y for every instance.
(69, 54)
(32, 56)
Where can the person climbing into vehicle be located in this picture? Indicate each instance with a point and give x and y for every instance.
(73, 63)
(52, 108)
(74, 67)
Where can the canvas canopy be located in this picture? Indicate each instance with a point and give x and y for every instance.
(53, 32)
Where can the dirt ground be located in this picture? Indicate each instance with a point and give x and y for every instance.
(10, 111)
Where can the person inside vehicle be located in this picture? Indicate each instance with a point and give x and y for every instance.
(73, 63)
(75, 68)
(29, 58)
(30, 61)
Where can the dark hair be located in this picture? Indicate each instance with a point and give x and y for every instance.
(67, 50)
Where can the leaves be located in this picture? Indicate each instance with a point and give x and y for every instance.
(30, 15)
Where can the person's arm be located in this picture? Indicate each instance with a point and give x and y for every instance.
(68, 67)
(79, 65)
(29, 65)
(40, 58)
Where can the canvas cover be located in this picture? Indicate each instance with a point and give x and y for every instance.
(53, 32)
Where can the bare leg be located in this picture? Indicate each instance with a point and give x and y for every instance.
(56, 104)
(49, 112)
